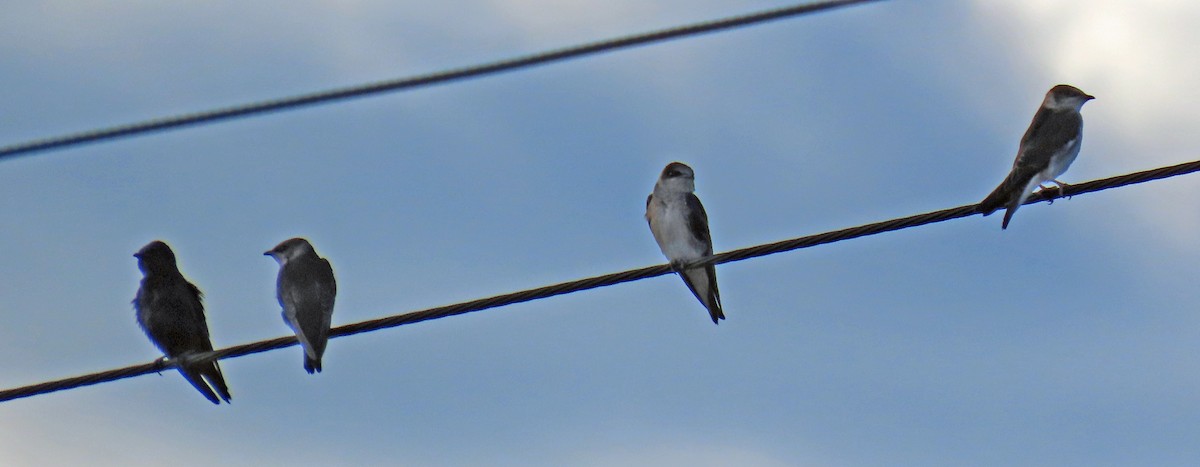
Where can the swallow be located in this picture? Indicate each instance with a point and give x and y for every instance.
(305, 289)
(1048, 148)
(680, 226)
(170, 311)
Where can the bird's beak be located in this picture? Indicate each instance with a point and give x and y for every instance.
(1090, 97)
(269, 253)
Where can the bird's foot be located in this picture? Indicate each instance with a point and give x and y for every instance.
(1043, 190)
(1059, 189)
(1062, 187)
(160, 364)
(678, 264)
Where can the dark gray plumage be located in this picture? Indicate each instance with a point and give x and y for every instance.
(1048, 148)
(680, 227)
(306, 290)
(170, 311)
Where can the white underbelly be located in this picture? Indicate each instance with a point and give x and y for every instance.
(673, 234)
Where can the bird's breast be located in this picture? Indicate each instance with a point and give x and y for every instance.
(1062, 160)
(669, 224)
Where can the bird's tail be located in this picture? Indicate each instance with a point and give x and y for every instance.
(197, 382)
(312, 365)
(1012, 209)
(212, 372)
(703, 284)
(204, 380)
(1001, 196)
(206, 377)
(715, 311)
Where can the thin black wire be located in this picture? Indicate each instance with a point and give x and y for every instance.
(227, 113)
(600, 281)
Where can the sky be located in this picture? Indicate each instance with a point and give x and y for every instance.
(1069, 339)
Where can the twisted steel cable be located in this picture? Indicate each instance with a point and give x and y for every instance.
(364, 90)
(600, 281)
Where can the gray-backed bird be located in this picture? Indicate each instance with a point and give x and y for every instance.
(171, 313)
(1049, 146)
(680, 226)
(305, 289)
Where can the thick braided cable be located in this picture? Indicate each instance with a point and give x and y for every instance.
(600, 281)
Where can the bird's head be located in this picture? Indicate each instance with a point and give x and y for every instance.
(289, 249)
(1066, 97)
(156, 257)
(677, 177)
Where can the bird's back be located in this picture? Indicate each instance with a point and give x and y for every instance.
(171, 313)
(306, 291)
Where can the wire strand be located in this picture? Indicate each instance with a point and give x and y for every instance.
(322, 97)
(600, 281)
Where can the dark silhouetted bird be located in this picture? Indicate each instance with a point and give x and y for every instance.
(170, 312)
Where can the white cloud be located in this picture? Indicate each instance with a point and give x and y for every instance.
(1138, 59)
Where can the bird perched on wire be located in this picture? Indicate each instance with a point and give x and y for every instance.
(305, 289)
(1049, 146)
(171, 313)
(680, 226)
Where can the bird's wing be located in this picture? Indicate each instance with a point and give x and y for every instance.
(698, 222)
(308, 295)
(703, 281)
(327, 291)
(1049, 134)
(649, 198)
(192, 307)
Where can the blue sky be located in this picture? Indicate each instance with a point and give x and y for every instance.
(1068, 339)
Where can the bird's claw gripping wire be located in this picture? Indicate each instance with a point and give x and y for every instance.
(160, 364)
(1059, 188)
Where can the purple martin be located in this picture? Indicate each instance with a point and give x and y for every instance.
(171, 313)
(680, 226)
(305, 289)
(1049, 146)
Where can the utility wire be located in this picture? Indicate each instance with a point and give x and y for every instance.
(599, 281)
(322, 97)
